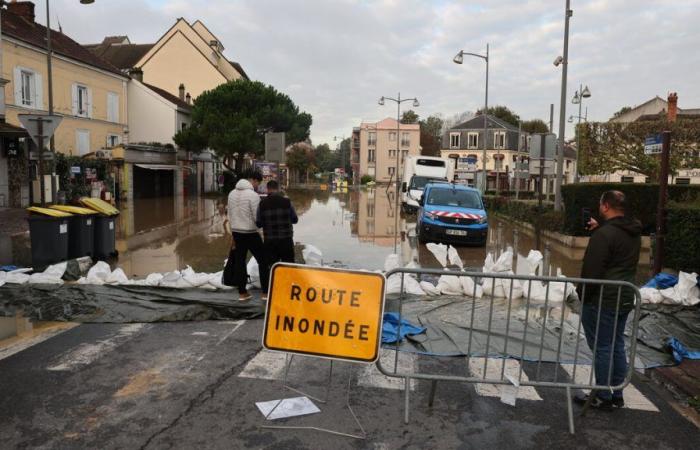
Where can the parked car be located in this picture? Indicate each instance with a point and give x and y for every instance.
(452, 214)
(417, 172)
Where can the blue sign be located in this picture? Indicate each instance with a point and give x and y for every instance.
(653, 144)
(75, 170)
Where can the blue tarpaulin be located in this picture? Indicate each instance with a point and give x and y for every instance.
(390, 329)
(662, 281)
(680, 352)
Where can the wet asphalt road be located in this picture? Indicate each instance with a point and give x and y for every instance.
(179, 385)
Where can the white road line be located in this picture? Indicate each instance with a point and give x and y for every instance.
(266, 365)
(86, 354)
(237, 324)
(25, 343)
(633, 398)
(371, 377)
(493, 371)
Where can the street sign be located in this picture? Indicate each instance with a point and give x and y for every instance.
(274, 147)
(33, 122)
(550, 145)
(75, 170)
(324, 312)
(34, 155)
(653, 145)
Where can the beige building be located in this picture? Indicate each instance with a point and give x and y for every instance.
(378, 152)
(89, 93)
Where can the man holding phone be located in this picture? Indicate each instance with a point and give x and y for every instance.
(612, 254)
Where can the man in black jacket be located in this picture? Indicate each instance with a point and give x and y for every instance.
(612, 254)
(276, 216)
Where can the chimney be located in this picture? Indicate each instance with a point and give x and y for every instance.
(136, 73)
(672, 106)
(188, 99)
(181, 90)
(22, 9)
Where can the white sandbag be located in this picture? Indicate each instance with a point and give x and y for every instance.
(651, 295)
(117, 277)
(439, 251)
(253, 273)
(187, 272)
(685, 292)
(154, 279)
(174, 280)
(17, 277)
(503, 264)
(3, 277)
(454, 258)
(529, 265)
(56, 270)
(410, 285)
(312, 255)
(197, 279)
(449, 285)
(501, 287)
(215, 281)
(392, 262)
(429, 288)
(52, 275)
(557, 294)
(98, 273)
(471, 288)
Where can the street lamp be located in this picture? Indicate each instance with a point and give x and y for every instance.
(564, 61)
(398, 100)
(459, 59)
(578, 100)
(342, 151)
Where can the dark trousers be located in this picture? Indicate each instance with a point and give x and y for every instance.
(250, 242)
(279, 250)
(609, 344)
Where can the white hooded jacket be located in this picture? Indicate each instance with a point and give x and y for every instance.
(243, 204)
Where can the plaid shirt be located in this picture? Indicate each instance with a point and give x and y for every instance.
(276, 216)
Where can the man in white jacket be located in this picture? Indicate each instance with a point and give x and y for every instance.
(243, 204)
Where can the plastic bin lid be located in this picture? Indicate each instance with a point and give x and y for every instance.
(99, 205)
(49, 212)
(74, 209)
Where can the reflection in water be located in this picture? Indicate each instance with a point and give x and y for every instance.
(353, 229)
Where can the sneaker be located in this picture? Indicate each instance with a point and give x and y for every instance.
(597, 402)
(618, 402)
(244, 297)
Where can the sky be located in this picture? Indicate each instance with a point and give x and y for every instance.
(335, 58)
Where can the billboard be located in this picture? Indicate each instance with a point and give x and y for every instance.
(274, 147)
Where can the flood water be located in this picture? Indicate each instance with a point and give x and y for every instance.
(352, 229)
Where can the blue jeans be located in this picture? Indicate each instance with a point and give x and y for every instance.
(605, 345)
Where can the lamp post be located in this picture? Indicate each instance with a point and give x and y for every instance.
(578, 100)
(398, 100)
(459, 59)
(342, 151)
(562, 109)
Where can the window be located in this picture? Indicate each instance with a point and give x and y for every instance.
(454, 140)
(473, 140)
(183, 126)
(113, 140)
(627, 180)
(392, 136)
(647, 180)
(370, 156)
(682, 180)
(27, 86)
(405, 139)
(392, 154)
(372, 139)
(454, 197)
(82, 142)
(392, 170)
(112, 107)
(82, 101)
(499, 139)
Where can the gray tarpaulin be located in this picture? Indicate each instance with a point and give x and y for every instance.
(122, 304)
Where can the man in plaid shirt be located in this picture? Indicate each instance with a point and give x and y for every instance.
(276, 216)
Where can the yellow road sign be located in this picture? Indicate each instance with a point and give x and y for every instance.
(318, 311)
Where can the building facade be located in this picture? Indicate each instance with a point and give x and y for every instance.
(378, 153)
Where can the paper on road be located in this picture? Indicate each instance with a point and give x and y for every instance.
(287, 407)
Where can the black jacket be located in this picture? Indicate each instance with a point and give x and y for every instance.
(612, 254)
(276, 216)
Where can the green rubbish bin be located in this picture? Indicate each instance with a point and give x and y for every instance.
(48, 233)
(81, 230)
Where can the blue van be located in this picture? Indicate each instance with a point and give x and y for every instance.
(451, 213)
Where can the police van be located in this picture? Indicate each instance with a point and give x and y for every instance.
(452, 214)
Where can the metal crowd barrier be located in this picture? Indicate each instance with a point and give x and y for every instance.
(539, 379)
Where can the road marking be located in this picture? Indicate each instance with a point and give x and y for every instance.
(371, 377)
(634, 399)
(19, 343)
(236, 325)
(266, 365)
(86, 353)
(493, 371)
(200, 333)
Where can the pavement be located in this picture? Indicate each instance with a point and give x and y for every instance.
(13, 221)
(195, 385)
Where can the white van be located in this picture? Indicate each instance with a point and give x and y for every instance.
(419, 170)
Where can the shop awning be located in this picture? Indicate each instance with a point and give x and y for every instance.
(157, 166)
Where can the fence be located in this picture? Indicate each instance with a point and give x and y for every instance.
(508, 338)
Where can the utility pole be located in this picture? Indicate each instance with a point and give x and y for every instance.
(562, 111)
(551, 117)
(661, 209)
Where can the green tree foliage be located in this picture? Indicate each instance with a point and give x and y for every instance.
(623, 110)
(608, 147)
(503, 113)
(301, 161)
(232, 118)
(431, 135)
(409, 116)
(535, 126)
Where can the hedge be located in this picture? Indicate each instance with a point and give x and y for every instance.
(683, 237)
(77, 185)
(527, 211)
(522, 195)
(642, 200)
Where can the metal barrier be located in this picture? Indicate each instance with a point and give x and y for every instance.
(528, 303)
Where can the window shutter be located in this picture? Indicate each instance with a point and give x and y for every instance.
(74, 93)
(18, 86)
(89, 103)
(38, 91)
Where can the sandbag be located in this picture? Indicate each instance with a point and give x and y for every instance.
(454, 258)
(449, 285)
(52, 275)
(312, 255)
(685, 292)
(117, 277)
(97, 274)
(253, 271)
(439, 251)
(470, 287)
(429, 288)
(392, 262)
(410, 285)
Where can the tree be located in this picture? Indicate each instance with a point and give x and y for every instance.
(608, 147)
(232, 118)
(325, 159)
(431, 135)
(503, 113)
(535, 126)
(300, 161)
(409, 116)
(623, 110)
